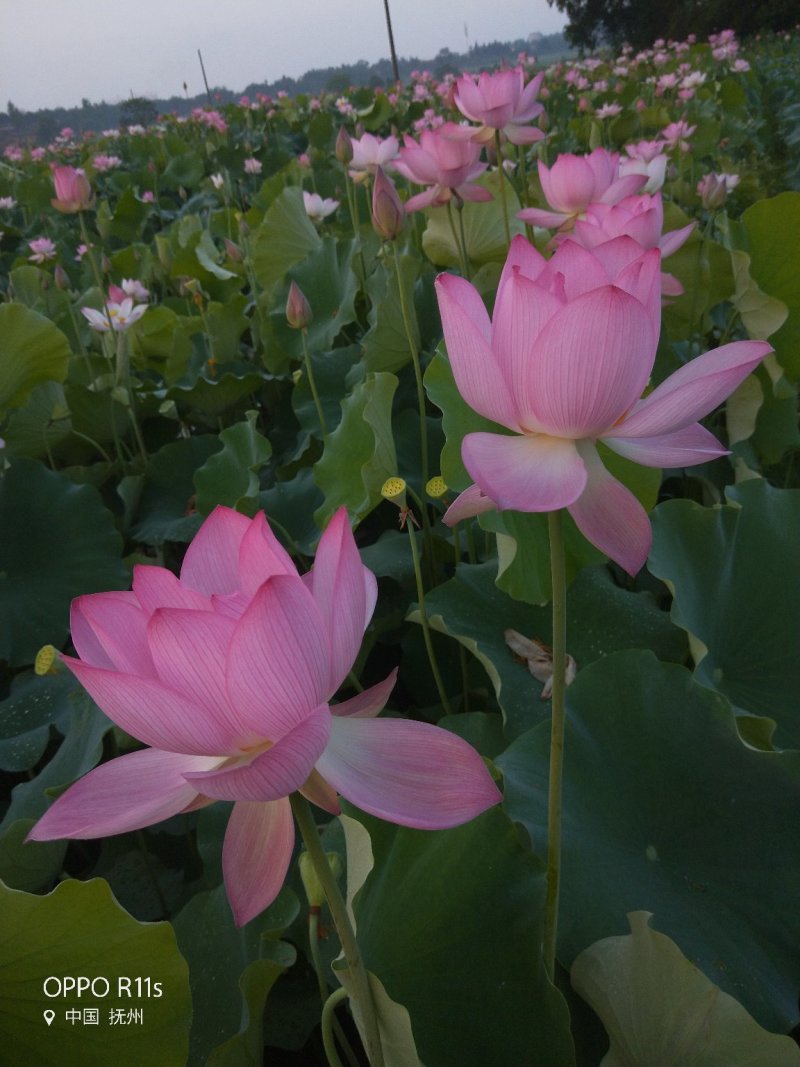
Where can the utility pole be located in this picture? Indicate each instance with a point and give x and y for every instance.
(205, 79)
(395, 68)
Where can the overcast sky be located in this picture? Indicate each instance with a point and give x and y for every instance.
(56, 52)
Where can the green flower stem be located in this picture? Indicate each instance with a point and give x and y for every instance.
(333, 1026)
(458, 240)
(522, 163)
(122, 377)
(313, 384)
(426, 632)
(503, 178)
(328, 1020)
(351, 204)
(361, 990)
(558, 572)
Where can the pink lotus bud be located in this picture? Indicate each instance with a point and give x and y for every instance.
(61, 278)
(73, 191)
(344, 146)
(388, 213)
(298, 309)
(105, 263)
(234, 252)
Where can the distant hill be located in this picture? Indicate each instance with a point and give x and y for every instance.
(40, 127)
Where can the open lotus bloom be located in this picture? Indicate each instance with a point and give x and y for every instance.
(501, 101)
(575, 182)
(227, 673)
(562, 365)
(446, 159)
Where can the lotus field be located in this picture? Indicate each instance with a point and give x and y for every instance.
(399, 575)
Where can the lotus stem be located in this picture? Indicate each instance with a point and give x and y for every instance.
(502, 175)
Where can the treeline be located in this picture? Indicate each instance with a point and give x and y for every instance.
(40, 127)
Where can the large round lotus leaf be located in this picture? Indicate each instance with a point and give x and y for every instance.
(32, 351)
(735, 571)
(58, 541)
(666, 810)
(451, 923)
(80, 930)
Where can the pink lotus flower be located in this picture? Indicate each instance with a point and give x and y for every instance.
(121, 313)
(42, 248)
(574, 182)
(369, 153)
(388, 213)
(447, 160)
(103, 162)
(676, 135)
(252, 165)
(227, 674)
(502, 102)
(73, 191)
(646, 158)
(713, 189)
(562, 365)
(318, 208)
(131, 287)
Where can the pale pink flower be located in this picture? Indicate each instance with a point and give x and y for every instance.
(148, 197)
(103, 163)
(217, 180)
(38, 154)
(13, 153)
(121, 313)
(227, 673)
(318, 208)
(7, 203)
(73, 191)
(252, 165)
(446, 159)
(646, 158)
(43, 248)
(562, 364)
(608, 111)
(713, 189)
(676, 135)
(503, 102)
(574, 182)
(369, 153)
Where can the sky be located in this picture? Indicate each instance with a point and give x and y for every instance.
(54, 53)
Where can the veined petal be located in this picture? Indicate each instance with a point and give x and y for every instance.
(476, 193)
(593, 360)
(156, 587)
(119, 627)
(473, 501)
(275, 773)
(579, 268)
(526, 258)
(152, 712)
(338, 588)
(547, 220)
(255, 856)
(627, 185)
(683, 448)
(278, 659)
(675, 239)
(190, 652)
(610, 516)
(694, 390)
(89, 647)
(410, 773)
(370, 702)
(477, 373)
(211, 563)
(321, 793)
(261, 555)
(127, 793)
(428, 198)
(523, 134)
(532, 472)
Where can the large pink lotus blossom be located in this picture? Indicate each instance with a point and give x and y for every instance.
(562, 365)
(43, 248)
(447, 160)
(369, 153)
(502, 102)
(574, 182)
(648, 158)
(73, 191)
(118, 313)
(227, 673)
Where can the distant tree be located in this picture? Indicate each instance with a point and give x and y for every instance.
(137, 111)
(14, 113)
(640, 22)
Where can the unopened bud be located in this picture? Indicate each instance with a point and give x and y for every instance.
(105, 262)
(311, 883)
(388, 213)
(61, 278)
(344, 146)
(234, 252)
(298, 309)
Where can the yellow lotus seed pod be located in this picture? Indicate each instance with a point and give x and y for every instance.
(436, 487)
(394, 489)
(46, 660)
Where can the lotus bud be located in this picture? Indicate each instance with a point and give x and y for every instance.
(234, 252)
(73, 191)
(344, 146)
(311, 883)
(298, 309)
(105, 263)
(388, 213)
(61, 278)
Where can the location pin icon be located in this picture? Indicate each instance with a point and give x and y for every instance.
(49, 1015)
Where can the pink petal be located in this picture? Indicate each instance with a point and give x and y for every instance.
(569, 184)
(255, 856)
(475, 368)
(338, 587)
(683, 448)
(610, 516)
(190, 652)
(579, 269)
(127, 793)
(523, 134)
(675, 239)
(368, 703)
(473, 501)
(547, 220)
(89, 646)
(275, 773)
(521, 311)
(211, 563)
(694, 390)
(524, 256)
(153, 713)
(278, 659)
(261, 555)
(593, 360)
(319, 792)
(476, 193)
(410, 773)
(527, 473)
(422, 200)
(156, 587)
(627, 185)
